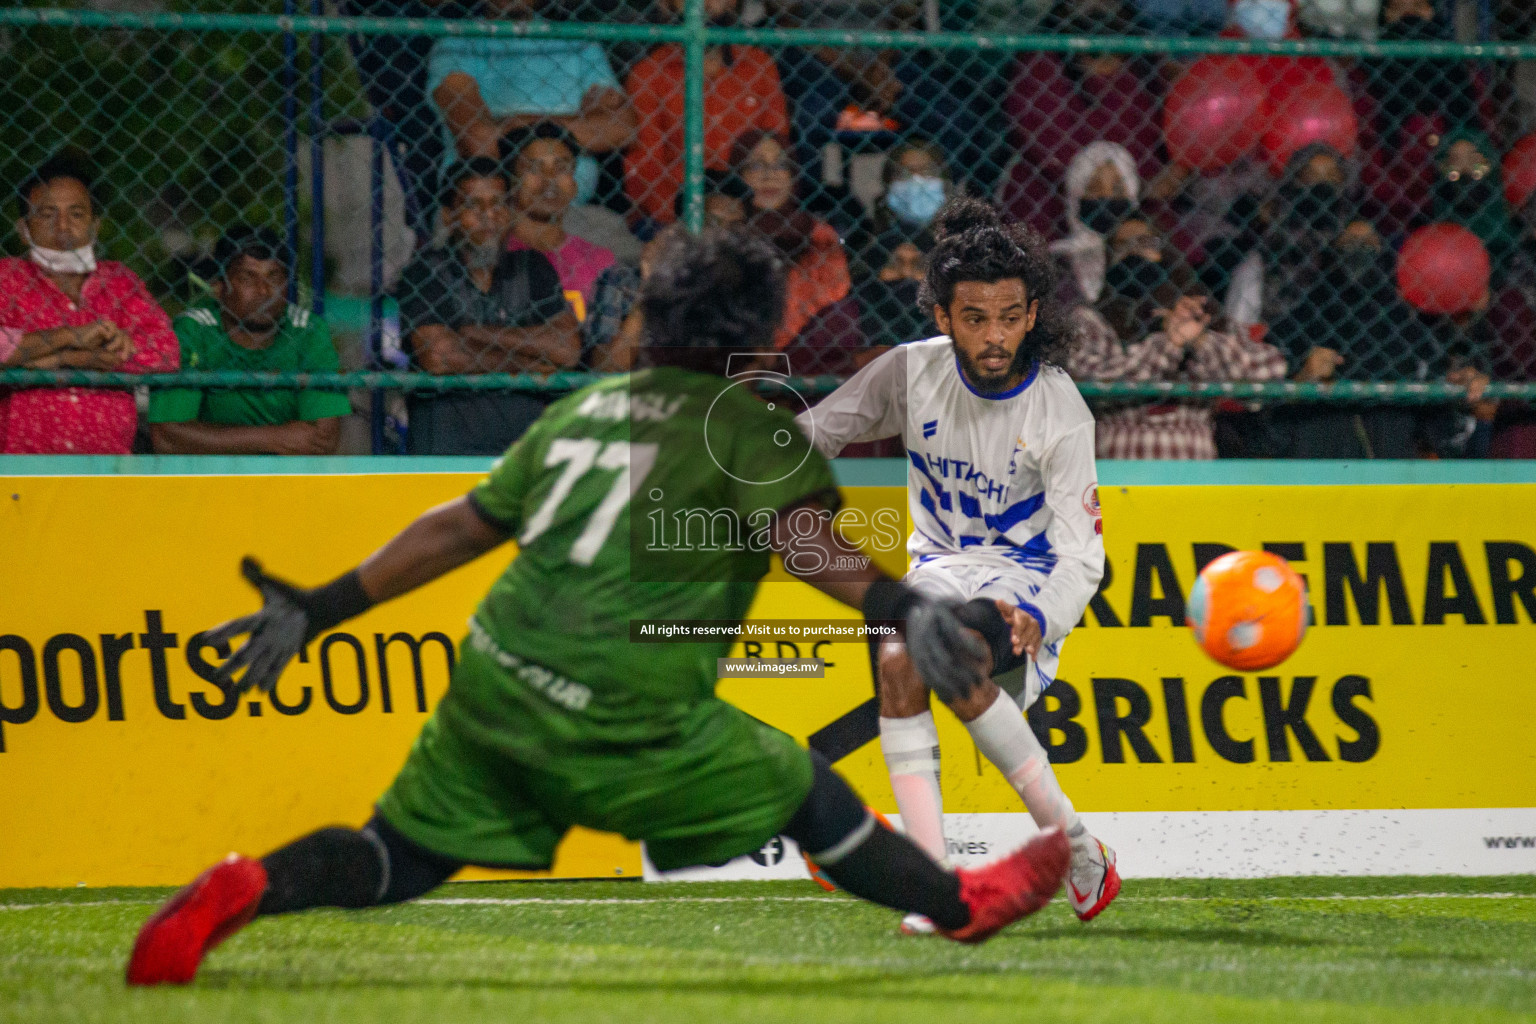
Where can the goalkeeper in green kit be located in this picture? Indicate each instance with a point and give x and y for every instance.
(552, 717)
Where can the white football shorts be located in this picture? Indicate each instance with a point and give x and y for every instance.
(963, 577)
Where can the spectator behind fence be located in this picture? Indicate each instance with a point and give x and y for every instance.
(725, 199)
(489, 86)
(1350, 325)
(62, 308)
(741, 93)
(612, 336)
(889, 311)
(250, 327)
(1182, 17)
(393, 73)
(1293, 228)
(542, 159)
(1355, 19)
(1513, 318)
(472, 306)
(1058, 105)
(1418, 100)
(1468, 191)
(612, 331)
(862, 99)
(915, 182)
(1102, 190)
(818, 271)
(1155, 321)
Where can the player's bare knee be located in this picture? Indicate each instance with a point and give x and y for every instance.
(974, 704)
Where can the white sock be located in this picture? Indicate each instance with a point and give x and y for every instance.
(911, 747)
(1005, 739)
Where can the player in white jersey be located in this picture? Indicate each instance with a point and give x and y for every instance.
(1003, 494)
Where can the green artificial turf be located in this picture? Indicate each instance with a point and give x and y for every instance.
(1184, 952)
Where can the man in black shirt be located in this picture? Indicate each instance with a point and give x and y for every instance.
(473, 307)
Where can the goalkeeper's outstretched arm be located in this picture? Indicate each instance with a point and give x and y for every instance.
(436, 543)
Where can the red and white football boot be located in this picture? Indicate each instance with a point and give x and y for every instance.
(1093, 883)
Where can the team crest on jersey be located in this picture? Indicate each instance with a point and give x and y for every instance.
(1091, 506)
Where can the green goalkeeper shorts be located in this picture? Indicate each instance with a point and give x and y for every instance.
(719, 787)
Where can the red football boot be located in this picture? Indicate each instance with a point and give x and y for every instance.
(219, 903)
(1014, 887)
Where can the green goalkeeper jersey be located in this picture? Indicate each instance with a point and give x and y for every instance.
(642, 497)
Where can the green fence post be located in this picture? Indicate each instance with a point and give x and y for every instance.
(693, 115)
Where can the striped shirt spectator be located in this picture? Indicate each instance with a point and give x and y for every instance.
(1187, 350)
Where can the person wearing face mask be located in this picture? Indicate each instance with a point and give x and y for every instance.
(741, 93)
(1102, 189)
(915, 182)
(472, 306)
(1293, 228)
(888, 298)
(61, 307)
(916, 185)
(1155, 321)
(1469, 191)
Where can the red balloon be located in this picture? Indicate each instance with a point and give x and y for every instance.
(1520, 172)
(1315, 112)
(1211, 116)
(1443, 268)
(1282, 76)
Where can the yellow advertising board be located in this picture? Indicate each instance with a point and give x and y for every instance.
(119, 764)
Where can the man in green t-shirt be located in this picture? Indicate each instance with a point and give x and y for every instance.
(251, 327)
(553, 718)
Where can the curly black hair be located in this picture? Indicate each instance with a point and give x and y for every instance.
(975, 243)
(721, 289)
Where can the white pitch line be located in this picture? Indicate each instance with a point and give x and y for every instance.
(1335, 898)
(80, 903)
(494, 901)
(491, 901)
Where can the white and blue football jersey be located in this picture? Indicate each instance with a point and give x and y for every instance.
(995, 479)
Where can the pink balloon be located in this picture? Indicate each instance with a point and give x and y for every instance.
(1315, 112)
(1211, 116)
(1443, 268)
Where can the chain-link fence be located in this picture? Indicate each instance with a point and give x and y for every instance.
(1299, 200)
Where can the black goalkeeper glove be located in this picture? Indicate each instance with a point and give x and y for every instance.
(290, 617)
(949, 658)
